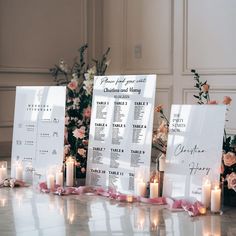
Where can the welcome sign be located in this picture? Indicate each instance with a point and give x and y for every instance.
(194, 148)
(121, 130)
(38, 132)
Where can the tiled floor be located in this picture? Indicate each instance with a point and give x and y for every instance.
(26, 212)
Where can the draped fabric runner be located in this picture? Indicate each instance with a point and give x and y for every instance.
(193, 209)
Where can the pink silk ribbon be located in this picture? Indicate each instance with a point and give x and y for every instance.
(193, 209)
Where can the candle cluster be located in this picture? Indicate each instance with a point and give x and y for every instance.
(54, 178)
(140, 187)
(211, 197)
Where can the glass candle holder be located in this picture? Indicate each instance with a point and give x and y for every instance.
(3, 170)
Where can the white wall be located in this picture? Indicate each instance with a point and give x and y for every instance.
(170, 38)
(34, 35)
(164, 37)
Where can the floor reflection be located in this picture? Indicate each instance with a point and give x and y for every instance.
(24, 211)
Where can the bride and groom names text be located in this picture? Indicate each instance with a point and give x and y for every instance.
(194, 167)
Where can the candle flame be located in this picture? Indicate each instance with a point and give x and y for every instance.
(216, 187)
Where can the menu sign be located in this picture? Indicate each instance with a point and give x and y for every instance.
(194, 148)
(121, 130)
(38, 132)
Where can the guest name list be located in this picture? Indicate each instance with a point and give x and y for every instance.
(121, 130)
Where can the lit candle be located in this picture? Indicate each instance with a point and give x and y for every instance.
(136, 180)
(19, 171)
(154, 189)
(215, 199)
(70, 172)
(206, 193)
(141, 189)
(129, 198)
(50, 181)
(59, 178)
(3, 173)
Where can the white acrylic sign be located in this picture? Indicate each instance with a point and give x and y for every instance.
(194, 149)
(120, 130)
(38, 132)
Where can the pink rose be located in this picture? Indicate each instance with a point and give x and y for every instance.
(79, 133)
(159, 108)
(229, 159)
(205, 88)
(227, 100)
(73, 84)
(87, 112)
(232, 181)
(81, 152)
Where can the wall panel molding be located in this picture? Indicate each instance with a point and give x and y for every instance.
(213, 38)
(34, 36)
(7, 104)
(131, 49)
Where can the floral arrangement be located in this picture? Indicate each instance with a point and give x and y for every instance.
(79, 88)
(228, 173)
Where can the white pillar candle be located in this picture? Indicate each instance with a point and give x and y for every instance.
(154, 190)
(70, 172)
(215, 199)
(206, 193)
(141, 189)
(136, 181)
(19, 171)
(59, 178)
(3, 173)
(50, 181)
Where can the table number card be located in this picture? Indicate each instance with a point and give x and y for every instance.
(38, 132)
(121, 130)
(194, 148)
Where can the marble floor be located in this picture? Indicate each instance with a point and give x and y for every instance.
(27, 212)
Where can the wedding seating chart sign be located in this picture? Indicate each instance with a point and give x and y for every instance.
(194, 149)
(38, 132)
(120, 130)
